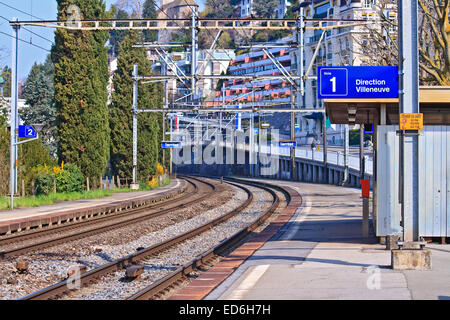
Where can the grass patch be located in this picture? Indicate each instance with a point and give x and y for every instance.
(54, 197)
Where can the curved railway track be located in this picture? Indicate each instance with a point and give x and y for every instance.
(60, 289)
(201, 191)
(160, 286)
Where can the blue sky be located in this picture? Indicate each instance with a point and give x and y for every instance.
(28, 54)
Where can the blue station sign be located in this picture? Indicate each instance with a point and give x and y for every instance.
(287, 144)
(357, 82)
(171, 144)
(27, 132)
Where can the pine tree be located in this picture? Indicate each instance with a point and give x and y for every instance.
(116, 36)
(81, 76)
(149, 96)
(6, 75)
(149, 12)
(38, 94)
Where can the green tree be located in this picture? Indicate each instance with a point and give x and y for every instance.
(6, 75)
(120, 119)
(116, 36)
(218, 9)
(81, 77)
(4, 155)
(149, 12)
(38, 94)
(265, 8)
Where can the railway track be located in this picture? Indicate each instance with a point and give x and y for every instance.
(159, 287)
(200, 191)
(62, 288)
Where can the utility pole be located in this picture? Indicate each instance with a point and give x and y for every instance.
(251, 142)
(409, 103)
(346, 151)
(135, 185)
(293, 175)
(13, 115)
(194, 53)
(166, 105)
(171, 139)
(412, 254)
(300, 73)
(362, 168)
(325, 148)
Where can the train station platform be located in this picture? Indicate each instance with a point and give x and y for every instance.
(70, 211)
(320, 254)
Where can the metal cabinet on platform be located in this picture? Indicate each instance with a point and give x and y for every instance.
(434, 181)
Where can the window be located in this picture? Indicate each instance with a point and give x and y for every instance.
(368, 3)
(322, 11)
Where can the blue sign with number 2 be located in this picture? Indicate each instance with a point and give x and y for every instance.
(27, 132)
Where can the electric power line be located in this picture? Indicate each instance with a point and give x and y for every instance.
(28, 14)
(30, 31)
(38, 35)
(27, 42)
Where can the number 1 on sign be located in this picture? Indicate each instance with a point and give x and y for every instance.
(333, 81)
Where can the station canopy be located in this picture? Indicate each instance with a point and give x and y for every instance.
(434, 104)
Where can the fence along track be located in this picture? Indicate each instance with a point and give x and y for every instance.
(59, 289)
(129, 219)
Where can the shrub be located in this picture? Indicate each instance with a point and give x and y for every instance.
(159, 169)
(44, 184)
(153, 183)
(69, 179)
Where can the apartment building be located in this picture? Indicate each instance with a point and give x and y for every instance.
(264, 93)
(214, 61)
(278, 12)
(339, 47)
(245, 93)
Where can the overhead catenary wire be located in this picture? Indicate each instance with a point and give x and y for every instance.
(32, 32)
(27, 42)
(21, 11)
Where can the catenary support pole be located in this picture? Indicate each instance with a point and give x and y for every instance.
(166, 106)
(409, 103)
(325, 148)
(361, 152)
(135, 125)
(194, 53)
(251, 145)
(13, 114)
(293, 175)
(346, 151)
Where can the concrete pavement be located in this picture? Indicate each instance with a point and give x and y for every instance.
(70, 211)
(320, 254)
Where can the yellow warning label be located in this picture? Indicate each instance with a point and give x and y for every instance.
(411, 121)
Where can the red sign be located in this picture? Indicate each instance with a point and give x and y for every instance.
(365, 188)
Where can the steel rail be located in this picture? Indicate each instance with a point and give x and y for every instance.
(59, 289)
(161, 285)
(131, 218)
(156, 202)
